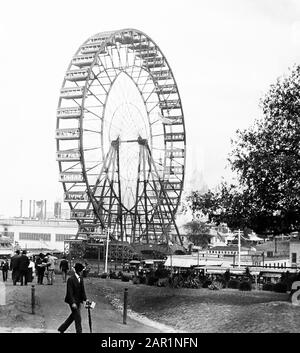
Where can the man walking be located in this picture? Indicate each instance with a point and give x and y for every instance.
(74, 297)
(14, 267)
(64, 267)
(23, 267)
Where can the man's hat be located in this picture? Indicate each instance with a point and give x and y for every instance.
(78, 267)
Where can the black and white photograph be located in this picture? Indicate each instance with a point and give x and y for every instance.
(150, 170)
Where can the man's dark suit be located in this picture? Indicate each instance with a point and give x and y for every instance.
(15, 268)
(23, 268)
(75, 295)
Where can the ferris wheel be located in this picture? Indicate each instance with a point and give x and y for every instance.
(121, 138)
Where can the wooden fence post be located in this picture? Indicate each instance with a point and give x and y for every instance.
(125, 306)
(33, 299)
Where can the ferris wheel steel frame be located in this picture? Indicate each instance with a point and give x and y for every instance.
(93, 188)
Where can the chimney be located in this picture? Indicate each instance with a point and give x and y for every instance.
(45, 210)
(29, 208)
(33, 212)
(21, 208)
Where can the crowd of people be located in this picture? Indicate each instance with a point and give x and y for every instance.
(26, 268)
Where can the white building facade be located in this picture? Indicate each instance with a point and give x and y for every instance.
(38, 234)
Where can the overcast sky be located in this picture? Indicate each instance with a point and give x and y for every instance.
(224, 56)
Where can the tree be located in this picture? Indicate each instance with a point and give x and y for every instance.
(227, 205)
(198, 233)
(266, 158)
(205, 203)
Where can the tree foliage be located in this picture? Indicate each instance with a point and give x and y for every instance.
(201, 203)
(266, 159)
(198, 233)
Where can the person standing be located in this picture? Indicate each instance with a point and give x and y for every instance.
(15, 267)
(50, 268)
(74, 297)
(5, 267)
(40, 268)
(64, 267)
(23, 267)
(31, 270)
(86, 269)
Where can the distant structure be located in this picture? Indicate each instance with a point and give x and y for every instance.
(38, 210)
(195, 182)
(57, 210)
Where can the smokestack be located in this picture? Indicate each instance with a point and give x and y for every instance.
(45, 214)
(29, 208)
(21, 208)
(33, 209)
(57, 209)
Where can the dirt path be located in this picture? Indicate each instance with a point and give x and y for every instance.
(51, 311)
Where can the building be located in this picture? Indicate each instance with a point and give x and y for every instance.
(294, 253)
(6, 246)
(34, 234)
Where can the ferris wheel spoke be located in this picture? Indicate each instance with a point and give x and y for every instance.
(91, 149)
(105, 90)
(72, 167)
(94, 131)
(153, 90)
(176, 161)
(155, 106)
(105, 71)
(95, 96)
(158, 135)
(148, 79)
(89, 111)
(95, 166)
(155, 121)
(141, 76)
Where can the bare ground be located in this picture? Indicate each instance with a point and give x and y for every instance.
(151, 309)
(203, 310)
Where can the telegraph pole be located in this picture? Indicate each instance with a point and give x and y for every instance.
(106, 253)
(239, 248)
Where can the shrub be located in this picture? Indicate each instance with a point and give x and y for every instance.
(163, 282)
(245, 285)
(151, 280)
(216, 285)
(233, 283)
(104, 275)
(280, 287)
(268, 286)
(125, 277)
(162, 273)
(136, 280)
(113, 275)
(142, 279)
